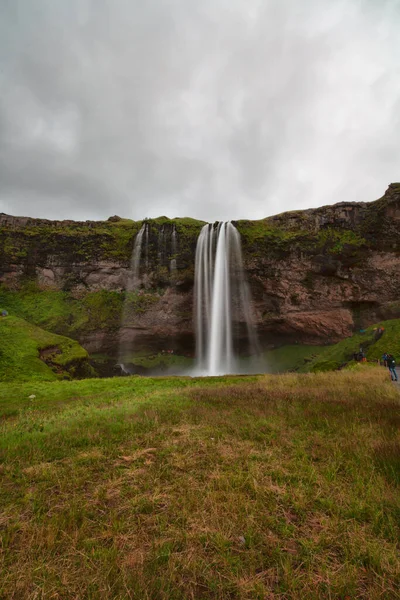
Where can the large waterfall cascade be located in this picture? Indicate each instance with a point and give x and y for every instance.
(222, 298)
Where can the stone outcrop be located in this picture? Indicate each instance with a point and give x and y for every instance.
(316, 275)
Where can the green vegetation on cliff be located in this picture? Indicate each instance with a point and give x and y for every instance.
(35, 239)
(221, 488)
(31, 241)
(61, 312)
(373, 345)
(28, 353)
(278, 238)
(263, 236)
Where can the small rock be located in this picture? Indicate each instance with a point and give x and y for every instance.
(242, 540)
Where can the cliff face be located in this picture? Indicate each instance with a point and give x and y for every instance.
(315, 275)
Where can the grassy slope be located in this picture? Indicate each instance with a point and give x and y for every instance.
(58, 311)
(19, 352)
(333, 357)
(291, 357)
(221, 488)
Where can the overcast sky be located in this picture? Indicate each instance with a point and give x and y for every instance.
(214, 109)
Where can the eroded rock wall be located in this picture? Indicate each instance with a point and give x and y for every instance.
(315, 275)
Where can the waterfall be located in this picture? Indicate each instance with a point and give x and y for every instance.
(146, 246)
(133, 280)
(161, 246)
(174, 248)
(222, 298)
(132, 283)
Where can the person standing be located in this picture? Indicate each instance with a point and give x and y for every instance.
(391, 363)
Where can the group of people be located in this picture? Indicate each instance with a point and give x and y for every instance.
(389, 361)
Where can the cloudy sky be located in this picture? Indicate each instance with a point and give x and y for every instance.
(214, 109)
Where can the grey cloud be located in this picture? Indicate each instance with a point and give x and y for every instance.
(213, 109)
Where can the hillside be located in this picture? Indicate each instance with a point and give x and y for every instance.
(28, 353)
(371, 341)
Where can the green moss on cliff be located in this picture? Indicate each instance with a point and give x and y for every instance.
(22, 344)
(80, 241)
(263, 231)
(65, 314)
(101, 310)
(280, 237)
(138, 302)
(60, 312)
(53, 310)
(336, 241)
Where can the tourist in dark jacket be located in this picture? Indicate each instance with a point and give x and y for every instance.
(391, 363)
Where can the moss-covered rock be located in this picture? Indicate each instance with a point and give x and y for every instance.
(29, 353)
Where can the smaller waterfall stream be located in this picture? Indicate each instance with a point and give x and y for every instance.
(161, 246)
(146, 247)
(133, 282)
(174, 249)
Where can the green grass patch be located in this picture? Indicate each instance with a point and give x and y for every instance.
(222, 488)
(54, 310)
(291, 357)
(23, 345)
(340, 354)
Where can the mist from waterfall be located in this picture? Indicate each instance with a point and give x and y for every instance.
(222, 299)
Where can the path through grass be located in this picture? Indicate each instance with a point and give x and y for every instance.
(222, 488)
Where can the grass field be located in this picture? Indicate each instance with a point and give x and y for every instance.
(268, 487)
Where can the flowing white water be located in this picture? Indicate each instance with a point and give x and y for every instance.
(146, 247)
(222, 299)
(132, 283)
(174, 247)
(161, 246)
(134, 275)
